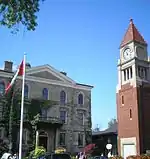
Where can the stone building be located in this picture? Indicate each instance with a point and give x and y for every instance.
(67, 122)
(133, 94)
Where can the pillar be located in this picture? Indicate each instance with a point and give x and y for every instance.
(37, 138)
(57, 138)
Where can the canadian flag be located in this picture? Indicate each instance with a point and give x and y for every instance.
(20, 72)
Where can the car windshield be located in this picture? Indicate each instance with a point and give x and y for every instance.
(61, 156)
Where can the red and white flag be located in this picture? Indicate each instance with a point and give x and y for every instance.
(20, 72)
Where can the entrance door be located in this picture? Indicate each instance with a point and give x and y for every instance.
(43, 137)
(43, 141)
(129, 150)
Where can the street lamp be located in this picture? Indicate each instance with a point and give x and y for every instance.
(109, 147)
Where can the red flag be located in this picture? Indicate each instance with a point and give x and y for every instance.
(20, 72)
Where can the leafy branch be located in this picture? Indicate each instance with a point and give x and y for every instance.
(15, 12)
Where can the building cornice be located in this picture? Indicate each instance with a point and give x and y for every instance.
(47, 81)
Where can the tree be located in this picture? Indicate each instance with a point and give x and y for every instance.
(15, 12)
(112, 122)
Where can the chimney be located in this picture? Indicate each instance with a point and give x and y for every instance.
(8, 66)
(28, 66)
(64, 73)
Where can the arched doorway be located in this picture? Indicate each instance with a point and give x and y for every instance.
(43, 137)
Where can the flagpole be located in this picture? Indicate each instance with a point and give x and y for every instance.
(22, 106)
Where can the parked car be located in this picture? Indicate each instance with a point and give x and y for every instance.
(55, 156)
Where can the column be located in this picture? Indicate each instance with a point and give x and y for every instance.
(134, 72)
(129, 73)
(144, 73)
(37, 138)
(57, 138)
(49, 141)
(123, 75)
(126, 74)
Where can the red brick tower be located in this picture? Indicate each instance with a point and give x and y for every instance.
(133, 94)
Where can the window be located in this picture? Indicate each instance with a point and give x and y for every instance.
(81, 118)
(1, 133)
(122, 100)
(80, 99)
(24, 136)
(130, 114)
(131, 73)
(124, 71)
(62, 139)
(26, 91)
(45, 93)
(63, 115)
(2, 88)
(142, 72)
(80, 139)
(145, 70)
(128, 75)
(44, 113)
(62, 97)
(25, 113)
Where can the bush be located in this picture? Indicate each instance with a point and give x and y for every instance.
(116, 157)
(144, 156)
(40, 150)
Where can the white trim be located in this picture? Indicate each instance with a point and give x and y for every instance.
(51, 70)
(48, 81)
(126, 141)
(78, 97)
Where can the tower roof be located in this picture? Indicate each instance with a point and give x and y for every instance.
(132, 34)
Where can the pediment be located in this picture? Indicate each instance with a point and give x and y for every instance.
(48, 72)
(46, 75)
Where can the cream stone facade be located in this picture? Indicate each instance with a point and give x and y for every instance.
(73, 111)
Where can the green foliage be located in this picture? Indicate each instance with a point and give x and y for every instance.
(11, 110)
(40, 150)
(3, 147)
(14, 12)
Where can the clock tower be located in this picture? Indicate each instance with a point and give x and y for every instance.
(133, 94)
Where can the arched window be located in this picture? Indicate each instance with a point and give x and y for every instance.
(80, 98)
(45, 93)
(2, 88)
(26, 91)
(62, 97)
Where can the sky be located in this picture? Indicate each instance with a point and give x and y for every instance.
(82, 38)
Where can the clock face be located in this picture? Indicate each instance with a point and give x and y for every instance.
(128, 54)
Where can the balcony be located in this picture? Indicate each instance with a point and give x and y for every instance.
(50, 120)
(43, 121)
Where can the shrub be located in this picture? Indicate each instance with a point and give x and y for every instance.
(116, 157)
(40, 150)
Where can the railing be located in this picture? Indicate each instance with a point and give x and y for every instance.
(50, 119)
(39, 118)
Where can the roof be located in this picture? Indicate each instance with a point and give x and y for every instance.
(132, 34)
(113, 129)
